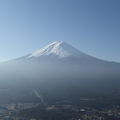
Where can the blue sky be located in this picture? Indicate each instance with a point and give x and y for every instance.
(92, 26)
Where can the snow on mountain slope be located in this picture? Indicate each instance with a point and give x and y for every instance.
(59, 49)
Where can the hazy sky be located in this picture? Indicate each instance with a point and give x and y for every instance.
(92, 26)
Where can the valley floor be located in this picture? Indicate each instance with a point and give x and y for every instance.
(36, 111)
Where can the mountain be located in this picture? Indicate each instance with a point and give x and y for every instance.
(59, 72)
(61, 51)
(57, 49)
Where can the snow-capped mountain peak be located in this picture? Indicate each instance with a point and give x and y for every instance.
(57, 48)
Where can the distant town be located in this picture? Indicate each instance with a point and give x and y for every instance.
(39, 111)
